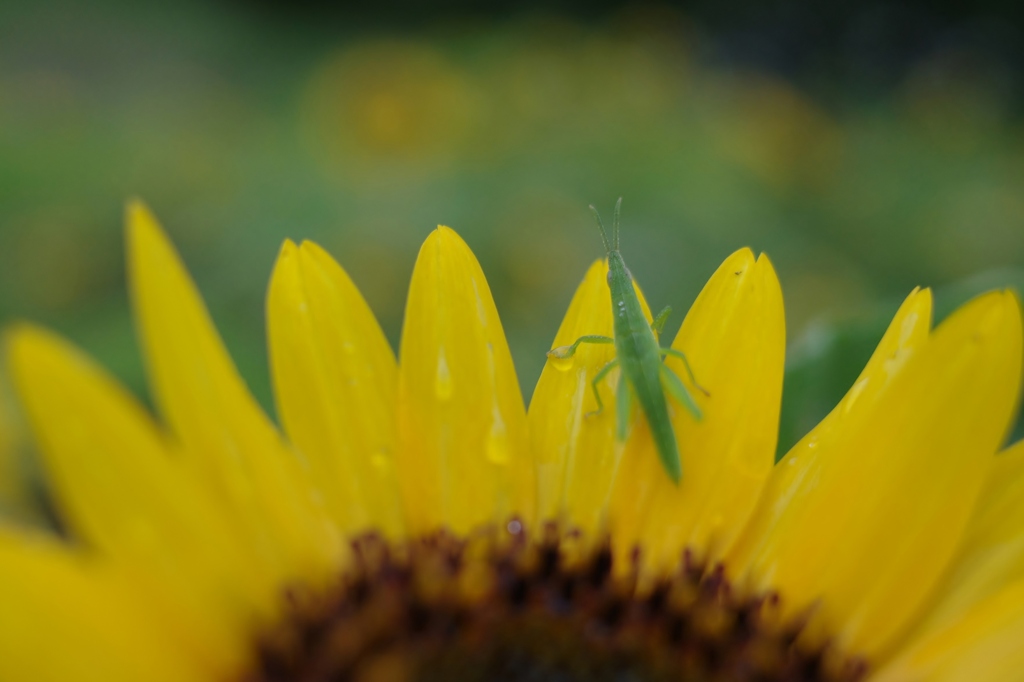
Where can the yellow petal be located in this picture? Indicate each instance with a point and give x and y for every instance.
(867, 537)
(905, 335)
(982, 645)
(734, 338)
(63, 619)
(463, 456)
(122, 493)
(577, 451)
(992, 552)
(336, 381)
(209, 408)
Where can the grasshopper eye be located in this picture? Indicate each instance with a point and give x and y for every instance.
(609, 278)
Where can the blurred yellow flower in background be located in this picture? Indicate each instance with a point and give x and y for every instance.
(414, 520)
(388, 102)
(773, 131)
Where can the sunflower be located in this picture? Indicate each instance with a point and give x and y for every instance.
(414, 522)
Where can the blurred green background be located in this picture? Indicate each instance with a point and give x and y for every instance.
(867, 150)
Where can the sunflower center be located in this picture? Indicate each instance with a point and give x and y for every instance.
(503, 607)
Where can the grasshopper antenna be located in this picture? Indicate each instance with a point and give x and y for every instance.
(604, 232)
(615, 224)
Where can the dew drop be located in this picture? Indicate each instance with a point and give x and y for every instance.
(497, 447)
(443, 380)
(380, 461)
(562, 364)
(854, 393)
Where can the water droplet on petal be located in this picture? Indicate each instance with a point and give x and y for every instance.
(497, 447)
(380, 461)
(562, 364)
(855, 392)
(443, 380)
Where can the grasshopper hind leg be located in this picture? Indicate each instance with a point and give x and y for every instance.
(598, 378)
(686, 363)
(675, 387)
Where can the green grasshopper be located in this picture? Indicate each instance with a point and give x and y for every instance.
(644, 375)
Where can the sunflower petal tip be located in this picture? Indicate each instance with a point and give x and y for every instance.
(999, 312)
(17, 329)
(22, 337)
(28, 346)
(449, 241)
(1012, 298)
(135, 205)
(12, 340)
(138, 216)
(598, 270)
(740, 261)
(765, 264)
(287, 257)
(315, 255)
(143, 233)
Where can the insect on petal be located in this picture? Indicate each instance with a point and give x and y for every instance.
(734, 339)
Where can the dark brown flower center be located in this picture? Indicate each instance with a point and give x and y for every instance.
(504, 607)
